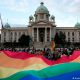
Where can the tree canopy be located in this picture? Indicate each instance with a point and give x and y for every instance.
(60, 38)
(24, 40)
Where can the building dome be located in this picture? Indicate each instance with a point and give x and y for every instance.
(31, 17)
(7, 25)
(77, 25)
(52, 17)
(42, 9)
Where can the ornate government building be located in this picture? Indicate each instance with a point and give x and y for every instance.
(41, 28)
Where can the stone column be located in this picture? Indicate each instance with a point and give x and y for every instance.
(37, 35)
(45, 34)
(7, 36)
(50, 34)
(33, 34)
(70, 36)
(17, 36)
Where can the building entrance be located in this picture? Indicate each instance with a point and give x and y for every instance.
(41, 34)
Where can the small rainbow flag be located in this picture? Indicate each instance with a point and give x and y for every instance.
(53, 45)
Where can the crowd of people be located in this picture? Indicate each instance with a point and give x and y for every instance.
(46, 52)
(57, 53)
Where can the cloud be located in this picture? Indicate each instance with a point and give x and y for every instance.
(22, 20)
(71, 6)
(62, 9)
(15, 5)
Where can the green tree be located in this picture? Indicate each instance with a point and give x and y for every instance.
(62, 37)
(57, 38)
(24, 40)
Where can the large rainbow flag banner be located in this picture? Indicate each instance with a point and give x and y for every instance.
(25, 66)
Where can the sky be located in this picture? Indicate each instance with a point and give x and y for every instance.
(66, 12)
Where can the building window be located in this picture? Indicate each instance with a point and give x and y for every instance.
(24, 33)
(19, 34)
(15, 33)
(11, 33)
(72, 39)
(4, 36)
(47, 17)
(68, 39)
(41, 16)
(15, 36)
(72, 33)
(11, 37)
(4, 39)
(48, 34)
(68, 33)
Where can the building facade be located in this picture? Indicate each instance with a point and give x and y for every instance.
(41, 28)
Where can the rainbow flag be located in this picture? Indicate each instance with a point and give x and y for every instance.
(26, 66)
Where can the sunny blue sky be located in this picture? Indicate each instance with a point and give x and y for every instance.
(66, 12)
